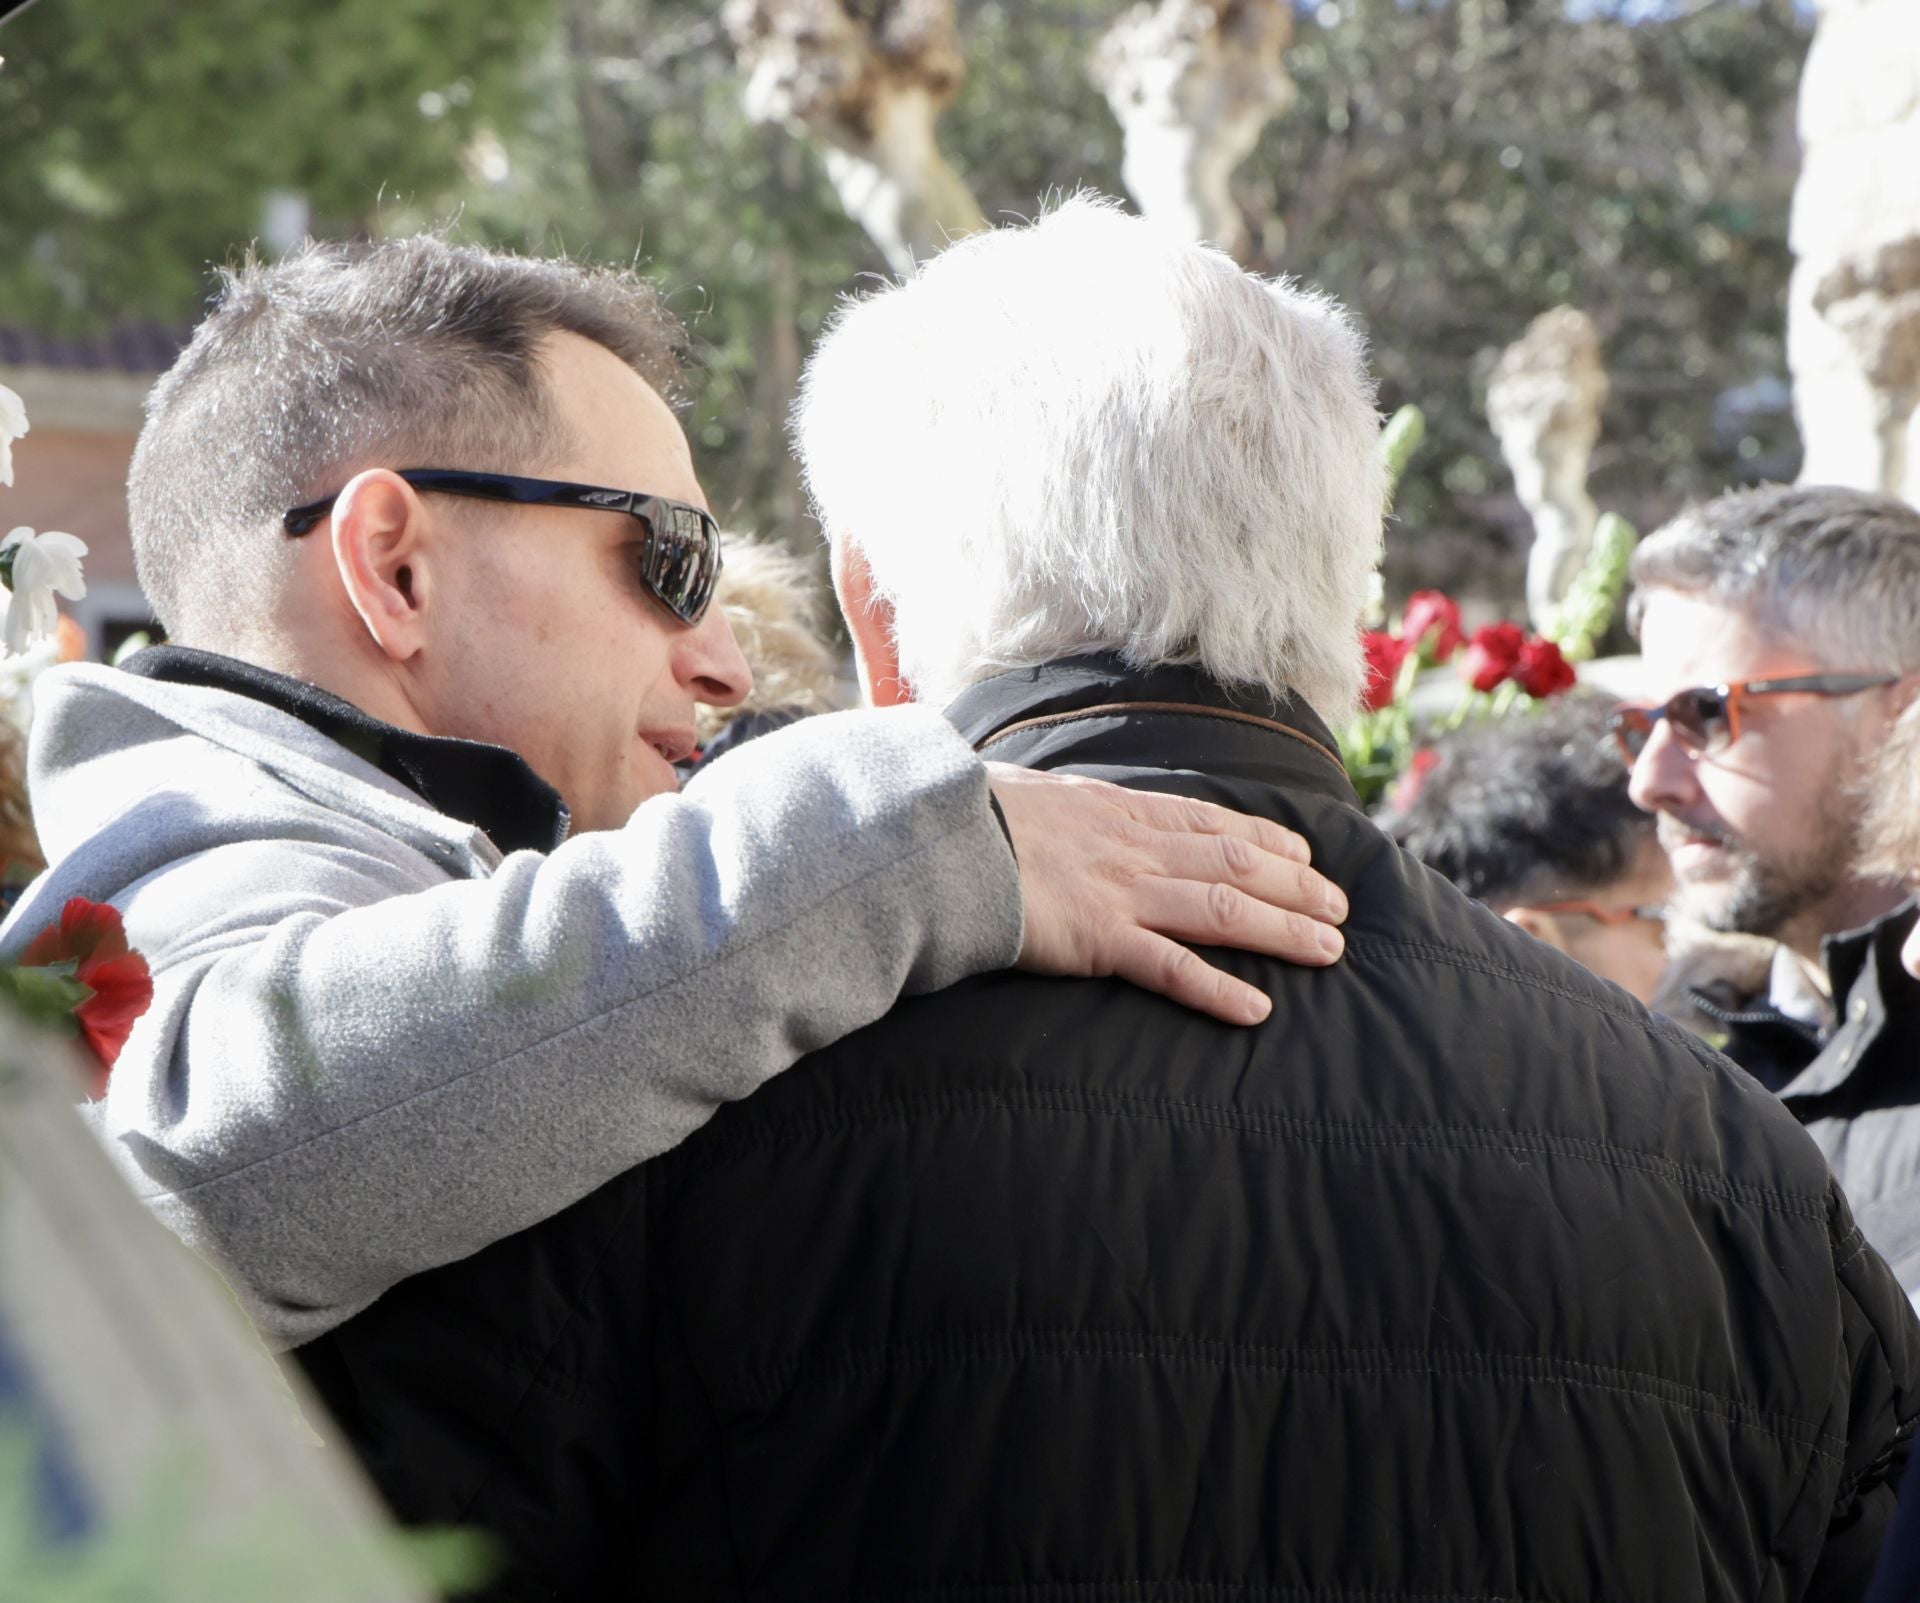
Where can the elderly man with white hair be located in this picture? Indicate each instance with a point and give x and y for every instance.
(1461, 1276)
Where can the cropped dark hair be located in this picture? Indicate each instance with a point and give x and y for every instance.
(403, 353)
(1835, 570)
(1532, 807)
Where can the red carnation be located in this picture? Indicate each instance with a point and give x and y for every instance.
(1491, 655)
(1385, 653)
(91, 937)
(1542, 671)
(1432, 613)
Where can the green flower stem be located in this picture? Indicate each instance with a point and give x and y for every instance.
(1402, 436)
(1593, 598)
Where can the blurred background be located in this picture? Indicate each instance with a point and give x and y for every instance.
(1448, 168)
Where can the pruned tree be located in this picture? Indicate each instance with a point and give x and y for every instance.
(1872, 301)
(1853, 313)
(866, 84)
(1192, 83)
(1544, 400)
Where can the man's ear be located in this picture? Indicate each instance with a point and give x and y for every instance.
(876, 654)
(380, 540)
(1541, 926)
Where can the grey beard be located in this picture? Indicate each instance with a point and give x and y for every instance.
(1763, 902)
(1764, 898)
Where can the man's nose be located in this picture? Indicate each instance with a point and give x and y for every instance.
(1663, 777)
(710, 664)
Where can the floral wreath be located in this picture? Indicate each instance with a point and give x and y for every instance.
(79, 975)
(1503, 669)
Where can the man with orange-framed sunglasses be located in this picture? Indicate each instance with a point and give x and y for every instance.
(1780, 636)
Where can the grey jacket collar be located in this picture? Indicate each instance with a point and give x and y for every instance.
(487, 786)
(105, 740)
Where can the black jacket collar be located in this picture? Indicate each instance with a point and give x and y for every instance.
(1096, 709)
(488, 787)
(1877, 1003)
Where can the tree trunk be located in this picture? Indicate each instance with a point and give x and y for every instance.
(1192, 83)
(1544, 401)
(1853, 310)
(614, 151)
(769, 476)
(866, 85)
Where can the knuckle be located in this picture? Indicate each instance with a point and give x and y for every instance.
(1200, 816)
(1240, 856)
(1177, 966)
(1284, 842)
(1226, 907)
(1297, 930)
(1129, 833)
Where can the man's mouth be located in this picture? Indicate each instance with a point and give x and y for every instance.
(1690, 847)
(673, 745)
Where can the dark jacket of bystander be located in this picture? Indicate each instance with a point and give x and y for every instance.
(1856, 1087)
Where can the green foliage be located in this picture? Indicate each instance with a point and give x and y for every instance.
(152, 1553)
(1449, 169)
(141, 138)
(1454, 167)
(46, 994)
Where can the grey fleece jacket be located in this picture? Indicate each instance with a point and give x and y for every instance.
(376, 1046)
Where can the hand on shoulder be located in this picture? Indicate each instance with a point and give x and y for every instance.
(1114, 880)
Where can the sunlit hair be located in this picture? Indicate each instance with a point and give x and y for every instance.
(1835, 571)
(773, 601)
(1087, 433)
(1891, 834)
(402, 353)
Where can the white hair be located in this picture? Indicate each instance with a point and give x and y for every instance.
(1089, 434)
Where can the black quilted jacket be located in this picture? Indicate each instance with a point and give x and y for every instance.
(1461, 1279)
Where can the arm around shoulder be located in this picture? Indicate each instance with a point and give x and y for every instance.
(340, 1086)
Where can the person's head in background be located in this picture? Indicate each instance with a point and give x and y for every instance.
(1090, 434)
(1892, 832)
(1777, 629)
(775, 602)
(1531, 816)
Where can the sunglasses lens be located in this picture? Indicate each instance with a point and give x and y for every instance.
(1699, 719)
(685, 559)
(1630, 726)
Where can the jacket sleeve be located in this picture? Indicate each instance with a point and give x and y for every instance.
(338, 1087)
(1880, 1381)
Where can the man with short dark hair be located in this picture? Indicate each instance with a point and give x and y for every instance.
(1530, 814)
(436, 948)
(1780, 633)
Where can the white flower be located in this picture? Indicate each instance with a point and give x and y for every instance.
(43, 565)
(13, 424)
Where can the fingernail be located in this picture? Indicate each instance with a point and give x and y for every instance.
(1259, 1005)
(1337, 904)
(1332, 942)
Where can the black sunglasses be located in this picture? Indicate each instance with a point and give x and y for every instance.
(681, 563)
(1706, 719)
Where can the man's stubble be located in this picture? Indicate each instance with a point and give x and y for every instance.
(1767, 895)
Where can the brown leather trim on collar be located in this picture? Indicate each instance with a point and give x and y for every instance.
(1188, 709)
